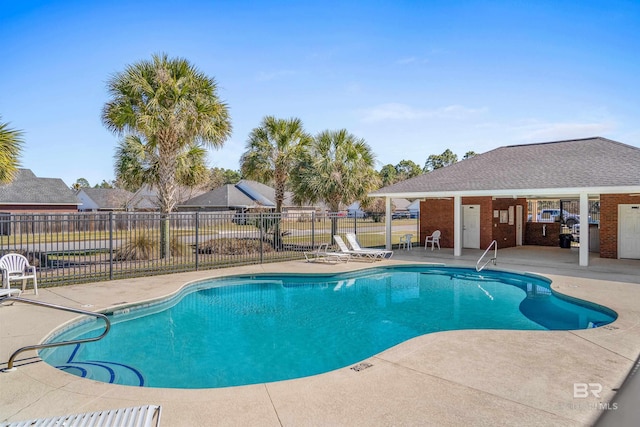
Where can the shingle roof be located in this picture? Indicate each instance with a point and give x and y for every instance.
(579, 163)
(28, 189)
(244, 194)
(227, 196)
(109, 198)
(146, 198)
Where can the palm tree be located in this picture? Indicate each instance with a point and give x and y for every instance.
(272, 151)
(136, 166)
(338, 169)
(10, 149)
(168, 105)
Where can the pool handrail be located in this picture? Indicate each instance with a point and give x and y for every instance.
(493, 259)
(10, 367)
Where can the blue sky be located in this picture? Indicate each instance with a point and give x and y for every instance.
(412, 78)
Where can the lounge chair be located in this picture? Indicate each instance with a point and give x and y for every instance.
(16, 267)
(367, 255)
(139, 416)
(9, 292)
(353, 241)
(434, 239)
(322, 253)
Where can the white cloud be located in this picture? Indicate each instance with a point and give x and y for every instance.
(397, 111)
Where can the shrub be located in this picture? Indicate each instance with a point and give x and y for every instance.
(177, 247)
(141, 247)
(228, 246)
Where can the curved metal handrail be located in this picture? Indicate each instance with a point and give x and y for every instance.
(10, 367)
(494, 259)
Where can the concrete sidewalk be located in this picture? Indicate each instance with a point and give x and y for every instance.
(472, 377)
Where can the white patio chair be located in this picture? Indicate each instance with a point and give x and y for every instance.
(434, 239)
(405, 242)
(139, 416)
(16, 267)
(355, 246)
(342, 246)
(323, 253)
(9, 292)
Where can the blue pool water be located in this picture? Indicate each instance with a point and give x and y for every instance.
(254, 329)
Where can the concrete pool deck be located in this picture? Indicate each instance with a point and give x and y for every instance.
(472, 377)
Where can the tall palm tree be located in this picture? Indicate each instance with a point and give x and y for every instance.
(338, 169)
(272, 151)
(136, 166)
(10, 149)
(169, 105)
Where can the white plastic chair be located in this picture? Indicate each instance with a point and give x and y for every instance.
(16, 267)
(434, 239)
(405, 242)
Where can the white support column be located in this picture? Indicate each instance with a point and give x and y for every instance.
(387, 223)
(457, 226)
(584, 229)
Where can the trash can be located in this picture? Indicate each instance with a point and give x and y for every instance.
(565, 240)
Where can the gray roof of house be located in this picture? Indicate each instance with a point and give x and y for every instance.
(146, 198)
(244, 194)
(227, 196)
(109, 198)
(28, 189)
(576, 164)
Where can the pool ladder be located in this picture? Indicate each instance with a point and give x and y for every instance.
(10, 367)
(494, 259)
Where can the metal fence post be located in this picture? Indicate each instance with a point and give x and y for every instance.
(197, 233)
(110, 245)
(261, 237)
(313, 230)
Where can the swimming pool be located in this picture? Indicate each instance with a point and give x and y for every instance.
(262, 328)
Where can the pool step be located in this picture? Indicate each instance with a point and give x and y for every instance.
(100, 370)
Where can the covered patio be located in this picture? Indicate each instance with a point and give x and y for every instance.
(485, 198)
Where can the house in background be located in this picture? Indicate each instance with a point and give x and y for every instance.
(28, 193)
(414, 208)
(244, 197)
(104, 199)
(146, 198)
(487, 197)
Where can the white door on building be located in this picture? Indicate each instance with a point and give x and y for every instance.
(519, 214)
(629, 231)
(471, 226)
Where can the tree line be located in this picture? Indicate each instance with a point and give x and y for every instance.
(167, 113)
(388, 174)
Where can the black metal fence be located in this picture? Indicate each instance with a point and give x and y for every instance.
(86, 247)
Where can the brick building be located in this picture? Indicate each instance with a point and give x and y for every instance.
(488, 197)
